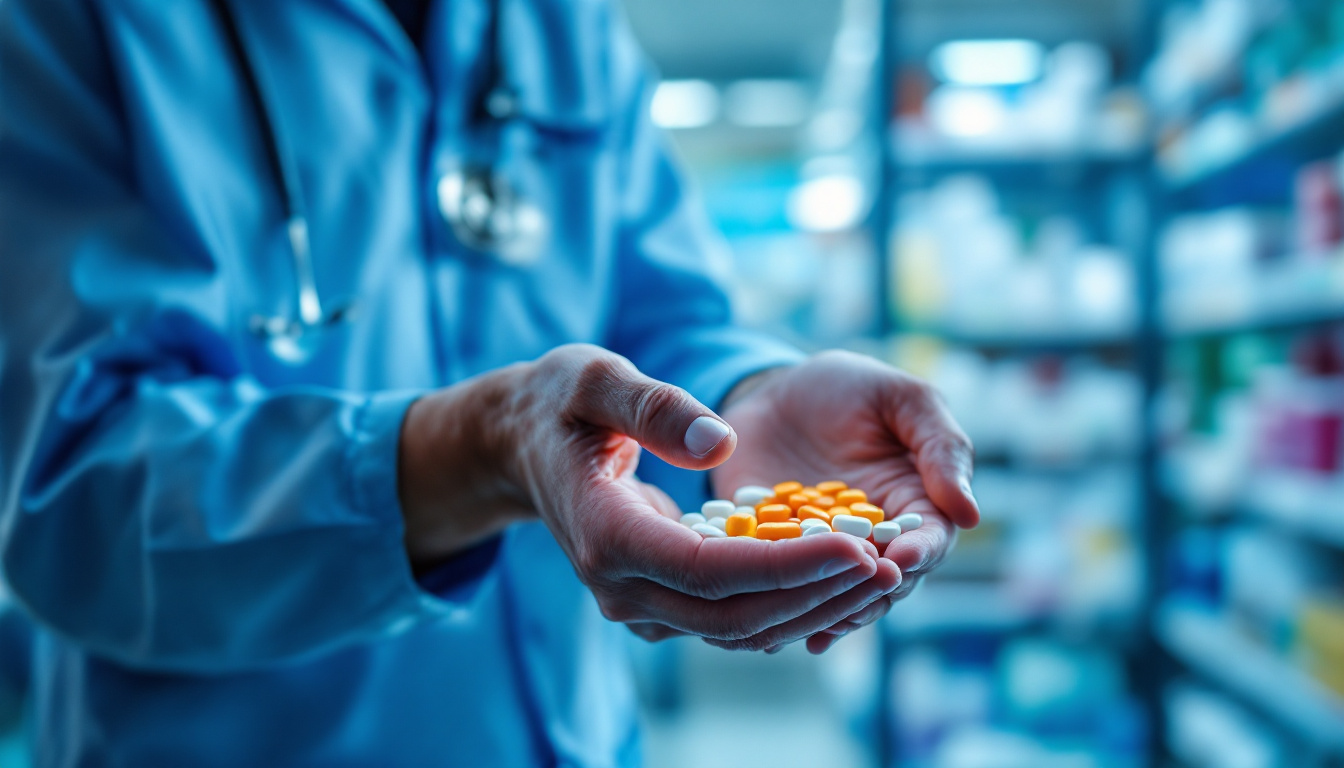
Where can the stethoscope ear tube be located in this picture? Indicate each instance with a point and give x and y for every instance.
(291, 338)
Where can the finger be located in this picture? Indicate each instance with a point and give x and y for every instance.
(924, 547)
(943, 453)
(610, 392)
(653, 632)
(883, 582)
(731, 618)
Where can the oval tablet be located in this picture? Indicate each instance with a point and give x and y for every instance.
(751, 495)
(854, 526)
(719, 522)
(885, 532)
(692, 518)
(909, 521)
(708, 531)
(816, 529)
(717, 508)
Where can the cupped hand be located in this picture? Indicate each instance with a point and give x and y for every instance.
(842, 416)
(560, 438)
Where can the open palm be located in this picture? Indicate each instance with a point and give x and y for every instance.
(840, 416)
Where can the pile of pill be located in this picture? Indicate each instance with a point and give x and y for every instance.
(792, 510)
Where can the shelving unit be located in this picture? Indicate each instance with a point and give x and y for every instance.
(1284, 296)
(1276, 298)
(1211, 646)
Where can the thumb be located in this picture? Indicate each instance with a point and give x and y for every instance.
(610, 392)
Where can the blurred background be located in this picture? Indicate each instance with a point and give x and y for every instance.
(1110, 231)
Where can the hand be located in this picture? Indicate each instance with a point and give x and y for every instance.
(559, 439)
(841, 416)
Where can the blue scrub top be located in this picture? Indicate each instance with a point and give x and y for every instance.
(209, 538)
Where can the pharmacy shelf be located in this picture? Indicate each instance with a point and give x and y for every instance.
(1313, 507)
(1309, 506)
(1210, 645)
(952, 606)
(1027, 340)
(1309, 292)
(1311, 135)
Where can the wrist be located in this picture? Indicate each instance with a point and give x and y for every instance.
(456, 461)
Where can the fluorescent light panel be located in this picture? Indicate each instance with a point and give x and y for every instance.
(685, 104)
(987, 62)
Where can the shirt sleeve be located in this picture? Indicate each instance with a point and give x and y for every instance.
(673, 318)
(159, 506)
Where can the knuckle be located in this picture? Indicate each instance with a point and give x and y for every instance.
(656, 403)
(617, 609)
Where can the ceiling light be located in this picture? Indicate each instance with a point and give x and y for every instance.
(987, 62)
(685, 104)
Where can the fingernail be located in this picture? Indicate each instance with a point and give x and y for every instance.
(914, 567)
(704, 435)
(837, 566)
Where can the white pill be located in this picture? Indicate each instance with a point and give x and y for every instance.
(719, 522)
(751, 495)
(708, 531)
(717, 508)
(885, 531)
(853, 525)
(909, 521)
(692, 518)
(813, 530)
(813, 522)
(745, 511)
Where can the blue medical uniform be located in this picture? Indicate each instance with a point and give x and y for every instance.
(210, 538)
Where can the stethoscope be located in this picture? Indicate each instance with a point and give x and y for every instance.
(478, 201)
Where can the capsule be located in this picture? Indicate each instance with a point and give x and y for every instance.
(773, 513)
(809, 512)
(832, 487)
(863, 509)
(850, 496)
(797, 500)
(784, 490)
(778, 531)
(741, 525)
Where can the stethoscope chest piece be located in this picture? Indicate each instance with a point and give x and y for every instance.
(486, 214)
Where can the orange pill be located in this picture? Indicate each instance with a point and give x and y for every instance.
(797, 500)
(838, 510)
(832, 487)
(850, 496)
(773, 513)
(810, 512)
(793, 520)
(777, 531)
(811, 493)
(825, 502)
(766, 502)
(741, 524)
(784, 490)
(864, 509)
